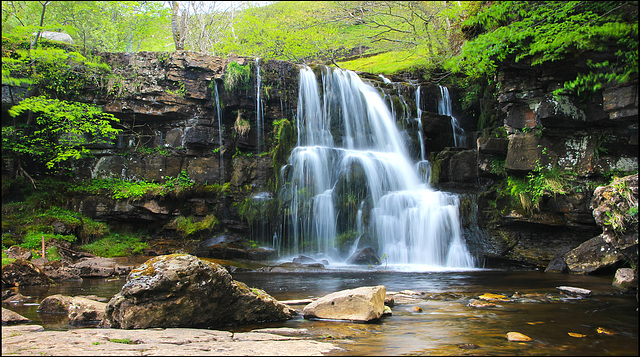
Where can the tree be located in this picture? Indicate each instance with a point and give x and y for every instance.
(548, 31)
(51, 131)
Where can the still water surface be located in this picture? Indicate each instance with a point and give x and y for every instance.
(446, 325)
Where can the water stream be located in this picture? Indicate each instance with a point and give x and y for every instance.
(350, 162)
(445, 326)
(444, 108)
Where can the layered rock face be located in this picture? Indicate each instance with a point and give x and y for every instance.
(529, 130)
(181, 290)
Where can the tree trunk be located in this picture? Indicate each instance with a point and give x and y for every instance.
(177, 29)
(44, 9)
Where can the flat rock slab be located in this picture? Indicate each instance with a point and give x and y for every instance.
(32, 340)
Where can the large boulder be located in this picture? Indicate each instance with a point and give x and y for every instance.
(364, 256)
(180, 290)
(80, 310)
(22, 272)
(360, 304)
(618, 242)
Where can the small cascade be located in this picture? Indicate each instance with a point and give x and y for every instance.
(444, 108)
(350, 176)
(259, 107)
(220, 145)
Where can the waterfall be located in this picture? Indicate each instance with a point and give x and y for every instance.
(219, 112)
(350, 175)
(259, 107)
(444, 108)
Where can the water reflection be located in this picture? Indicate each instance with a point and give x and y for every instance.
(446, 325)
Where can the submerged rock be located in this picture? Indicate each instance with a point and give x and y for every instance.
(574, 291)
(180, 290)
(361, 304)
(517, 337)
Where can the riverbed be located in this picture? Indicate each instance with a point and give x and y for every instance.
(439, 321)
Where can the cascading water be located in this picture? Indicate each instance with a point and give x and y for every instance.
(259, 107)
(350, 177)
(219, 112)
(444, 108)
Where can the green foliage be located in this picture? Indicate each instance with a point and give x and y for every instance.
(108, 26)
(190, 226)
(116, 245)
(54, 72)
(62, 130)
(528, 192)
(121, 189)
(237, 77)
(33, 240)
(285, 138)
(548, 31)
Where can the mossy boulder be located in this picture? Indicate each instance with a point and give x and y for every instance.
(180, 290)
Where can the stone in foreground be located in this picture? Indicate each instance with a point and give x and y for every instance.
(361, 304)
(79, 310)
(180, 290)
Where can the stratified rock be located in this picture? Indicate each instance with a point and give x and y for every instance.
(9, 317)
(180, 290)
(360, 304)
(523, 153)
(81, 311)
(626, 279)
(22, 272)
(365, 256)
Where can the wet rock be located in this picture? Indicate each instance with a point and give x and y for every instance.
(416, 309)
(480, 304)
(365, 256)
(517, 337)
(468, 346)
(576, 335)
(605, 331)
(11, 297)
(625, 279)
(387, 311)
(463, 166)
(180, 290)
(100, 267)
(79, 310)
(360, 304)
(22, 272)
(303, 259)
(10, 317)
(57, 271)
(570, 290)
(493, 297)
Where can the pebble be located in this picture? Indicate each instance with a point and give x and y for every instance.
(517, 337)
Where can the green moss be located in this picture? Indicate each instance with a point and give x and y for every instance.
(236, 77)
(285, 138)
(116, 245)
(190, 226)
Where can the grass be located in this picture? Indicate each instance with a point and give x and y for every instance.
(116, 245)
(387, 63)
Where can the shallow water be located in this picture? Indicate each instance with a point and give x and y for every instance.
(446, 325)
